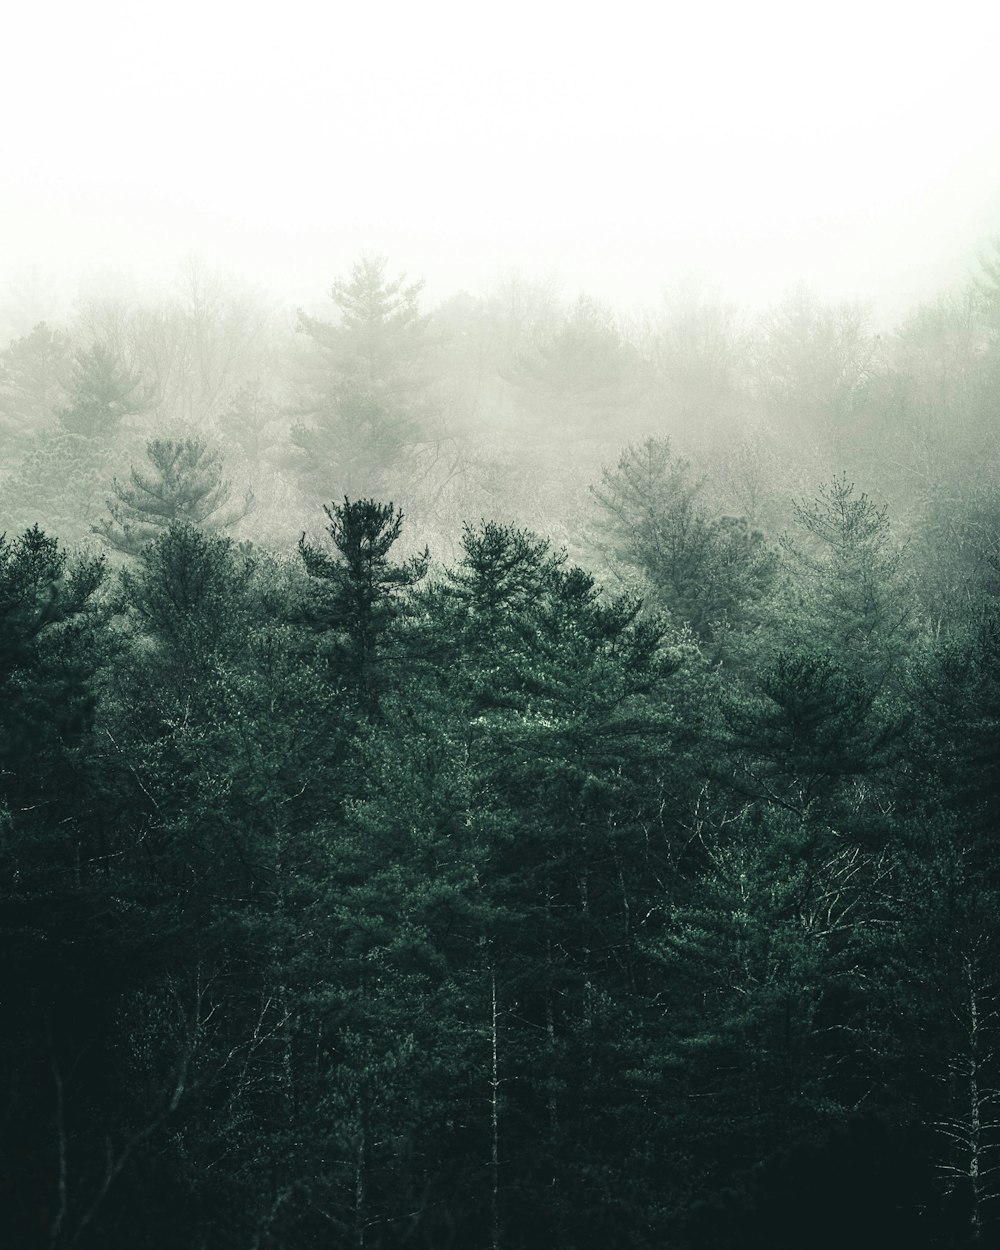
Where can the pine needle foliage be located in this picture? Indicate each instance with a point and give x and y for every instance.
(185, 486)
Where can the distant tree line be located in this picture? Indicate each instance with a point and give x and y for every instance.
(505, 404)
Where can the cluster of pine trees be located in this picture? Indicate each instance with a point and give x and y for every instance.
(631, 887)
(505, 404)
(350, 898)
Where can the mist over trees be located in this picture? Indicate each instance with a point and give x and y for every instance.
(504, 773)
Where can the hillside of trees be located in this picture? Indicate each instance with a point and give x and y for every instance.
(500, 776)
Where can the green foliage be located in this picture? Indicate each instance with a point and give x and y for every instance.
(101, 394)
(59, 484)
(942, 989)
(350, 900)
(959, 555)
(63, 472)
(812, 733)
(356, 592)
(850, 579)
(709, 572)
(187, 588)
(956, 736)
(48, 614)
(185, 486)
(62, 959)
(366, 404)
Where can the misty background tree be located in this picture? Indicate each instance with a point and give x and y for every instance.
(366, 414)
(185, 485)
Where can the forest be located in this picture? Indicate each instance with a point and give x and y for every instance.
(505, 774)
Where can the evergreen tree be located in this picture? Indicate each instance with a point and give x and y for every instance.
(102, 394)
(63, 472)
(221, 760)
(35, 378)
(810, 735)
(357, 590)
(343, 900)
(48, 615)
(68, 940)
(767, 955)
(185, 486)
(547, 712)
(709, 572)
(366, 403)
(849, 581)
(942, 999)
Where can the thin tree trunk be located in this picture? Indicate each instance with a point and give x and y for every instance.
(60, 1215)
(360, 1178)
(975, 1124)
(494, 1118)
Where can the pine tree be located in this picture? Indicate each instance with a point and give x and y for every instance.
(538, 694)
(63, 472)
(850, 579)
(941, 998)
(185, 486)
(358, 589)
(48, 616)
(366, 407)
(102, 394)
(65, 934)
(709, 572)
(35, 378)
(768, 954)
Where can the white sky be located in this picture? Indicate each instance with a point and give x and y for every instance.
(624, 147)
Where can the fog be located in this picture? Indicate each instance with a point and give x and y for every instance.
(754, 234)
(854, 148)
(499, 626)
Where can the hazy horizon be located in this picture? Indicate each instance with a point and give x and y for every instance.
(856, 151)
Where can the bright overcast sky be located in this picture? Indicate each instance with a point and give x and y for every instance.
(625, 147)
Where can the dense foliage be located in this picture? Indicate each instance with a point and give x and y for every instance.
(354, 897)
